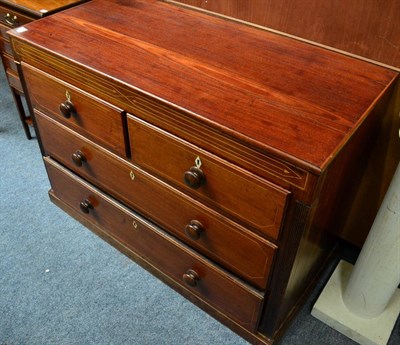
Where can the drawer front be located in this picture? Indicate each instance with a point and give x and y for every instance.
(174, 259)
(5, 47)
(11, 19)
(14, 80)
(3, 30)
(223, 185)
(9, 63)
(98, 120)
(222, 240)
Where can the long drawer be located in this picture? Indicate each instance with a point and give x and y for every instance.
(219, 238)
(207, 177)
(205, 280)
(84, 113)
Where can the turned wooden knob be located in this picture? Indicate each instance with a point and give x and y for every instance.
(67, 109)
(194, 178)
(85, 206)
(191, 278)
(78, 158)
(194, 229)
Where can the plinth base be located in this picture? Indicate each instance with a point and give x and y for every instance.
(331, 310)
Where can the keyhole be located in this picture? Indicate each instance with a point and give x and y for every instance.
(198, 162)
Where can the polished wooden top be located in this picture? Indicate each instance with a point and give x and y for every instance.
(40, 8)
(277, 94)
(365, 28)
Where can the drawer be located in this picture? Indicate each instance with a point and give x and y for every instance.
(3, 30)
(12, 19)
(14, 80)
(218, 183)
(91, 117)
(217, 237)
(9, 63)
(203, 279)
(5, 47)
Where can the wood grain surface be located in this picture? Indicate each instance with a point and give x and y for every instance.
(274, 93)
(366, 28)
(40, 8)
(223, 240)
(304, 118)
(235, 299)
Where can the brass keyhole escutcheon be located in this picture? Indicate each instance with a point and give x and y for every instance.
(195, 177)
(67, 108)
(198, 162)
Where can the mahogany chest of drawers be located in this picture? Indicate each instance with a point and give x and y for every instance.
(218, 156)
(14, 13)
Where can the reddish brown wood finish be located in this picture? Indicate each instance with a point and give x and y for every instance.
(94, 118)
(253, 89)
(39, 8)
(11, 18)
(5, 47)
(3, 31)
(8, 14)
(377, 174)
(15, 13)
(14, 80)
(365, 28)
(253, 338)
(242, 195)
(238, 301)
(223, 240)
(9, 64)
(296, 116)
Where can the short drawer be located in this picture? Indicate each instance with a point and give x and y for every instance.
(9, 63)
(5, 47)
(14, 81)
(84, 113)
(213, 180)
(187, 268)
(222, 240)
(12, 19)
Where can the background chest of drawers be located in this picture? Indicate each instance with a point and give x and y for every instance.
(13, 14)
(219, 164)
